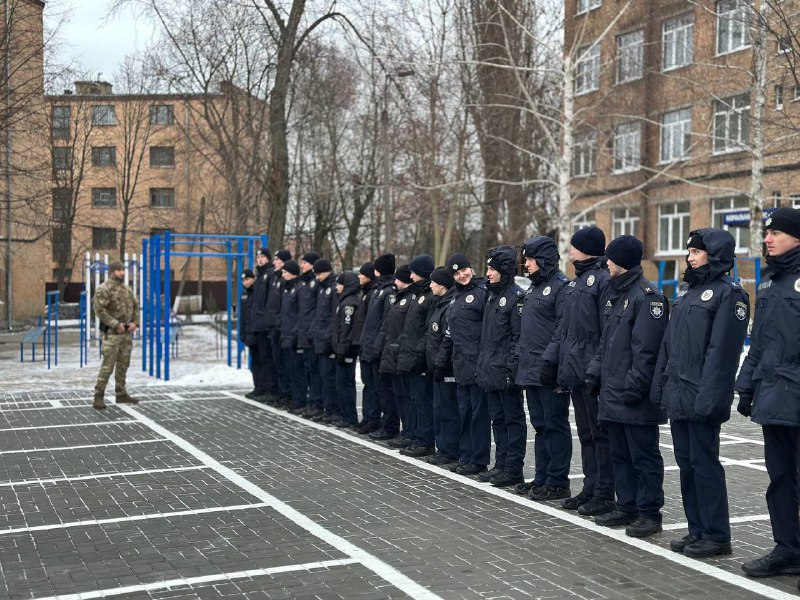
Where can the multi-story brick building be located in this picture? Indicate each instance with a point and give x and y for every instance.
(664, 131)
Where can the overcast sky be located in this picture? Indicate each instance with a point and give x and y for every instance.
(96, 44)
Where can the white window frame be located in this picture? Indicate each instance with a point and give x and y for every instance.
(587, 71)
(162, 198)
(795, 200)
(677, 42)
(676, 135)
(627, 147)
(731, 204)
(630, 56)
(587, 220)
(733, 26)
(624, 221)
(584, 154)
(104, 115)
(675, 214)
(733, 115)
(104, 197)
(584, 6)
(162, 114)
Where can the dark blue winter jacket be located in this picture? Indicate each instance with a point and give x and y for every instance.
(326, 291)
(372, 337)
(307, 307)
(392, 328)
(274, 296)
(246, 317)
(343, 328)
(436, 326)
(289, 314)
(411, 358)
(261, 289)
(462, 337)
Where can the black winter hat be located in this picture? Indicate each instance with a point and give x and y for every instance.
(264, 252)
(457, 262)
(284, 255)
(322, 265)
(291, 266)
(626, 251)
(422, 265)
(368, 270)
(443, 277)
(311, 257)
(248, 274)
(385, 264)
(403, 273)
(695, 241)
(786, 220)
(590, 240)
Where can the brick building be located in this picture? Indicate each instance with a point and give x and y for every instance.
(664, 135)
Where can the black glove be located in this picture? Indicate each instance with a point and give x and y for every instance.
(509, 383)
(439, 375)
(340, 359)
(592, 387)
(745, 405)
(548, 374)
(630, 398)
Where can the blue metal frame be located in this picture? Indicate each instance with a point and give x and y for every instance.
(84, 337)
(52, 300)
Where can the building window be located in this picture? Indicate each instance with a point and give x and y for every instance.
(162, 197)
(733, 25)
(784, 44)
(60, 122)
(62, 159)
(62, 244)
(731, 124)
(104, 197)
(630, 55)
(627, 147)
(104, 115)
(678, 42)
(62, 199)
(104, 156)
(794, 200)
(162, 156)
(584, 152)
(104, 237)
(778, 97)
(587, 5)
(624, 221)
(723, 206)
(587, 71)
(796, 93)
(673, 227)
(676, 135)
(583, 221)
(162, 114)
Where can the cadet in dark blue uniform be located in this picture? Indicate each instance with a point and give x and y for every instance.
(446, 422)
(693, 382)
(293, 356)
(497, 367)
(370, 400)
(460, 346)
(635, 319)
(372, 339)
(392, 329)
(581, 327)
(412, 361)
(538, 366)
(261, 351)
(769, 388)
(345, 345)
(326, 357)
(274, 298)
(246, 320)
(307, 306)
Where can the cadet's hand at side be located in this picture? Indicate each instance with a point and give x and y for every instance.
(745, 405)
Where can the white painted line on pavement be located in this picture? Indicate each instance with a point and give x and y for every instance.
(118, 422)
(83, 447)
(192, 581)
(704, 568)
(739, 439)
(734, 520)
(56, 403)
(373, 563)
(160, 515)
(99, 476)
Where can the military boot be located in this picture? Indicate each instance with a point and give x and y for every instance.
(123, 398)
(98, 400)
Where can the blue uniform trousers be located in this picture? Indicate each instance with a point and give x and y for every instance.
(260, 358)
(401, 384)
(346, 391)
(638, 469)
(327, 377)
(370, 400)
(703, 489)
(391, 417)
(549, 413)
(279, 354)
(509, 428)
(422, 401)
(476, 438)
(312, 380)
(296, 370)
(446, 422)
(781, 446)
(598, 476)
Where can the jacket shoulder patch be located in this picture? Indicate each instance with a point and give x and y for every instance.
(657, 309)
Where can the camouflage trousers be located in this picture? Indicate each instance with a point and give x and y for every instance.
(116, 359)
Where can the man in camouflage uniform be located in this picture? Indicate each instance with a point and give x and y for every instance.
(118, 311)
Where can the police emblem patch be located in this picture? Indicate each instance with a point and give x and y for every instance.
(625, 304)
(572, 283)
(797, 285)
(380, 293)
(469, 299)
(328, 292)
(455, 267)
(421, 300)
(434, 326)
(403, 302)
(656, 309)
(312, 284)
(741, 310)
(348, 310)
(707, 295)
(519, 309)
(503, 301)
(768, 224)
(590, 280)
(392, 299)
(546, 291)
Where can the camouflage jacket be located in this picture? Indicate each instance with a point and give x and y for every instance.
(115, 303)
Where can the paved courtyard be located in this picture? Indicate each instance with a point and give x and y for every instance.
(197, 492)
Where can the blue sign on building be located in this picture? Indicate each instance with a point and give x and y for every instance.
(741, 218)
